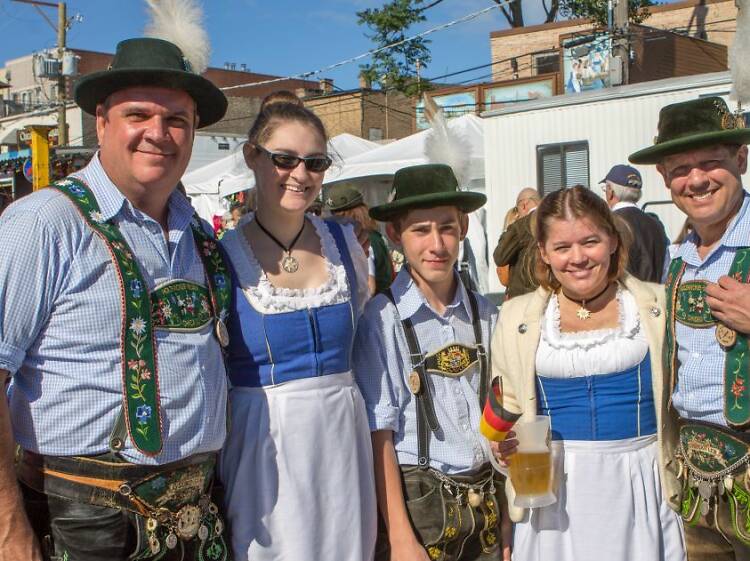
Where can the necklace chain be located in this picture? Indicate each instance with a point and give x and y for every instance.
(276, 240)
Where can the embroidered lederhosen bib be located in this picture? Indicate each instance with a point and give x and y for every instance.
(177, 305)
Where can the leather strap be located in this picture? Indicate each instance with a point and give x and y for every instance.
(426, 418)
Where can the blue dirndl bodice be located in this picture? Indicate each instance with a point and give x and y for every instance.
(268, 349)
(601, 407)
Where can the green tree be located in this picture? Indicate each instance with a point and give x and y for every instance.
(597, 10)
(396, 67)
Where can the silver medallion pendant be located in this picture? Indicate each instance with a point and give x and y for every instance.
(290, 264)
(222, 334)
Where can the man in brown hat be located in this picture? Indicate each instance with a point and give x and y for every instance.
(114, 298)
(701, 153)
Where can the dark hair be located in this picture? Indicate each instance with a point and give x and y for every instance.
(282, 107)
(360, 213)
(576, 203)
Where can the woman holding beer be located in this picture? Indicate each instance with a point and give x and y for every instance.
(585, 349)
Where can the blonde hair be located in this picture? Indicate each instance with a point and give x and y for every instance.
(510, 217)
(579, 203)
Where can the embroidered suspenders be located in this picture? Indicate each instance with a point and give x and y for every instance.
(452, 361)
(180, 304)
(686, 303)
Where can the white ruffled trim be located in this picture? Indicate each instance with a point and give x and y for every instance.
(629, 325)
(268, 299)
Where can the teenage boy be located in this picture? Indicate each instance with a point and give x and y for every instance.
(421, 359)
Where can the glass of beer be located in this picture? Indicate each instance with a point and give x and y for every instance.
(531, 465)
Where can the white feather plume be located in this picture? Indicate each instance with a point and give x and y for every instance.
(739, 53)
(181, 22)
(443, 145)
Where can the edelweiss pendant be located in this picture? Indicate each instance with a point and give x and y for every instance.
(583, 313)
(289, 264)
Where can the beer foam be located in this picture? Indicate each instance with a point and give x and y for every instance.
(533, 448)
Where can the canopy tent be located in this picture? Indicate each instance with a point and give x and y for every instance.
(384, 161)
(207, 186)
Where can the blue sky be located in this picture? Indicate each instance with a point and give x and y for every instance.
(280, 37)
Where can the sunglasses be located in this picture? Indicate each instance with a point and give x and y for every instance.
(287, 161)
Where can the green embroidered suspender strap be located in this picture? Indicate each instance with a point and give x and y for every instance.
(686, 303)
(177, 305)
(217, 278)
(139, 365)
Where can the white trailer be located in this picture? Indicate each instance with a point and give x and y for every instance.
(563, 140)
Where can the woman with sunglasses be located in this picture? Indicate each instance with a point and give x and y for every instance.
(297, 464)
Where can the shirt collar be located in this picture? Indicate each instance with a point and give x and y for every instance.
(409, 299)
(736, 235)
(623, 204)
(111, 200)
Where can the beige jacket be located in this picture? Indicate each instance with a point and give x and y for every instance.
(514, 345)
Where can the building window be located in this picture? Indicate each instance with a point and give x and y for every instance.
(375, 134)
(562, 165)
(545, 63)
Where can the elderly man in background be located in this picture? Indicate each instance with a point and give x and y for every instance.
(623, 188)
(516, 246)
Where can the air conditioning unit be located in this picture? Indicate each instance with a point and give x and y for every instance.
(46, 66)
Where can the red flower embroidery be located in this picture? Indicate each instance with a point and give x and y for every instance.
(738, 387)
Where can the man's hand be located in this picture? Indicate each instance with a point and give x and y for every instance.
(17, 541)
(730, 303)
(411, 550)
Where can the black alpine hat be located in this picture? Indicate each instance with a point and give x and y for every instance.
(148, 61)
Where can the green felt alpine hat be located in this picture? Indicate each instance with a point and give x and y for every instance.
(342, 196)
(693, 124)
(151, 62)
(426, 186)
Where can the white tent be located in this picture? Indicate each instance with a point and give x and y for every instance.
(208, 185)
(384, 161)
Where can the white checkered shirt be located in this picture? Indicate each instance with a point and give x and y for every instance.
(60, 326)
(382, 365)
(699, 394)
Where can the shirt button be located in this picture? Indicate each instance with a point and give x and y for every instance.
(696, 355)
(458, 391)
(465, 426)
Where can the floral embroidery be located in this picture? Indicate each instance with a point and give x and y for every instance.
(96, 216)
(143, 414)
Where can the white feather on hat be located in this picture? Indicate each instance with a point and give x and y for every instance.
(443, 145)
(181, 22)
(738, 54)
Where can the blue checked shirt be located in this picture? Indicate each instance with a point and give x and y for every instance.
(60, 327)
(699, 394)
(382, 365)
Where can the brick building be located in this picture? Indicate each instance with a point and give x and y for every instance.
(533, 50)
(364, 112)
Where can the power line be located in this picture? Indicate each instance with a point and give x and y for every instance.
(375, 51)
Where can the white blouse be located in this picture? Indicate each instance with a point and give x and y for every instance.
(588, 353)
(268, 299)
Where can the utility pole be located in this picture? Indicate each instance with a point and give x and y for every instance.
(62, 25)
(621, 44)
(62, 118)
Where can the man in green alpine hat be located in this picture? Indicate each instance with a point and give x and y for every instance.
(701, 153)
(344, 199)
(421, 357)
(114, 298)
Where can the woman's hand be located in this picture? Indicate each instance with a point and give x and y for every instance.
(410, 550)
(505, 449)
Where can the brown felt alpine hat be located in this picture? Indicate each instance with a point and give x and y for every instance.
(148, 61)
(688, 125)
